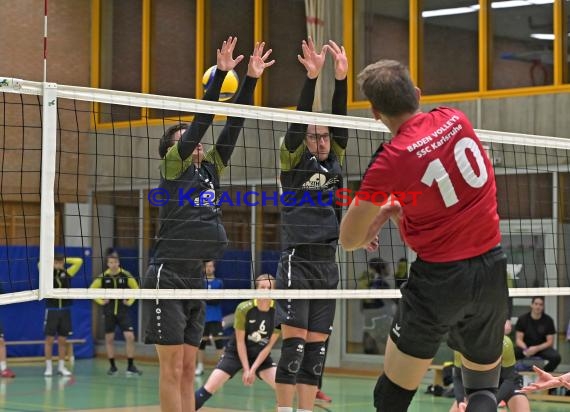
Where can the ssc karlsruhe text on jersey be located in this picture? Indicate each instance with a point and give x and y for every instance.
(438, 155)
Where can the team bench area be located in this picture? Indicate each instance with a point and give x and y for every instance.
(70, 353)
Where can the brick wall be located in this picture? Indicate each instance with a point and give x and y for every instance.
(21, 51)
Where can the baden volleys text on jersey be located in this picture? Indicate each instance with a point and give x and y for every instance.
(338, 198)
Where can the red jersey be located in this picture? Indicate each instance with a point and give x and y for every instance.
(445, 182)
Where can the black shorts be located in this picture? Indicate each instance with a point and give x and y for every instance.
(1, 330)
(307, 268)
(230, 363)
(171, 322)
(466, 298)
(121, 319)
(509, 384)
(216, 331)
(58, 322)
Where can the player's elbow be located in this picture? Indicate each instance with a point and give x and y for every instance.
(348, 240)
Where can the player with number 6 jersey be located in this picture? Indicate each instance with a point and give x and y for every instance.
(249, 349)
(457, 285)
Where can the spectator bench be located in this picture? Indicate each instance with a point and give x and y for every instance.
(69, 353)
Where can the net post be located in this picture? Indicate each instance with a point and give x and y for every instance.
(47, 218)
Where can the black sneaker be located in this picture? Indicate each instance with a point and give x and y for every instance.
(132, 370)
(112, 371)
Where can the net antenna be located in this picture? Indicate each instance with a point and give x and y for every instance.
(132, 143)
(45, 38)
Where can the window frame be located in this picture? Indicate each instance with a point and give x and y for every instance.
(560, 84)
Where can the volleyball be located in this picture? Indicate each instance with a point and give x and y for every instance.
(229, 87)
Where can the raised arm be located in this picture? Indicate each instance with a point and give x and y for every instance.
(193, 134)
(340, 96)
(313, 63)
(75, 264)
(226, 142)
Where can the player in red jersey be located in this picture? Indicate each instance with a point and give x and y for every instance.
(457, 285)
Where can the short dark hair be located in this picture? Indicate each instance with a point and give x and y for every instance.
(60, 257)
(389, 88)
(111, 253)
(262, 277)
(378, 265)
(537, 297)
(166, 140)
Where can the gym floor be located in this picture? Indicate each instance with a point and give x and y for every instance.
(90, 389)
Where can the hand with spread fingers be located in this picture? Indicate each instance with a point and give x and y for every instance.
(224, 56)
(258, 61)
(340, 60)
(547, 381)
(311, 59)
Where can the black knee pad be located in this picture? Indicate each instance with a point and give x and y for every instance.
(389, 397)
(481, 380)
(292, 351)
(482, 400)
(312, 365)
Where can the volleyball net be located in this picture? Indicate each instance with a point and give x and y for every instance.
(80, 176)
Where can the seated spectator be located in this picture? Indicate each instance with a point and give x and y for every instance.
(375, 278)
(401, 273)
(535, 334)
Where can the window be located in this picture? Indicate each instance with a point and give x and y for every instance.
(563, 191)
(284, 80)
(20, 224)
(450, 48)
(524, 196)
(381, 31)
(520, 54)
(121, 67)
(224, 19)
(172, 50)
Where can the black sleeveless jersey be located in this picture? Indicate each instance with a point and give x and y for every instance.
(258, 327)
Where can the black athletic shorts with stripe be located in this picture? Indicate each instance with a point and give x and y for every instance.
(122, 319)
(170, 321)
(230, 363)
(307, 267)
(58, 322)
(465, 299)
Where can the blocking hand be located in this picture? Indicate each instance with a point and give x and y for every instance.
(224, 56)
(258, 61)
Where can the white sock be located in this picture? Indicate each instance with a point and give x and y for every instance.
(48, 363)
(304, 410)
(61, 364)
(3, 365)
(284, 409)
